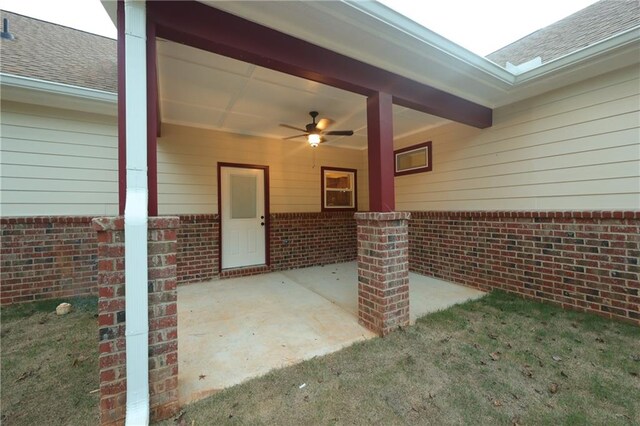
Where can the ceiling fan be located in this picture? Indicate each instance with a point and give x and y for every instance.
(315, 132)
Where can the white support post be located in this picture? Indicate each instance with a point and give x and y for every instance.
(136, 216)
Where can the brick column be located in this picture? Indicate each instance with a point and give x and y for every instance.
(383, 270)
(163, 318)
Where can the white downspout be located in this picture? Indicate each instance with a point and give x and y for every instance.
(136, 215)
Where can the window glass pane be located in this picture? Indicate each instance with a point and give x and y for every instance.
(339, 199)
(338, 180)
(243, 196)
(411, 159)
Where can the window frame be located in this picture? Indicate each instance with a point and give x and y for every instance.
(354, 183)
(427, 146)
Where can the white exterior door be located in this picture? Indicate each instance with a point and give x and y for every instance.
(243, 216)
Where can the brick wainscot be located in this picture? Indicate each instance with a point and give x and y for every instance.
(47, 258)
(587, 261)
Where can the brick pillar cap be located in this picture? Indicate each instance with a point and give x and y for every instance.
(382, 216)
(116, 223)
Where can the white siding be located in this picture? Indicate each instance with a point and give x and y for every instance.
(577, 148)
(187, 169)
(57, 162)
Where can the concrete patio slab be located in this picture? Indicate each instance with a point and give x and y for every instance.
(338, 283)
(235, 329)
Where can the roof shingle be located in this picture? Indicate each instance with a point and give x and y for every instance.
(590, 25)
(56, 53)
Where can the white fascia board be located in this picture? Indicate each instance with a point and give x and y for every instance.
(31, 90)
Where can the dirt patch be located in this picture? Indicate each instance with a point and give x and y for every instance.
(49, 364)
(499, 360)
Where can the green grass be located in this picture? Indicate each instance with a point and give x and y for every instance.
(551, 367)
(49, 364)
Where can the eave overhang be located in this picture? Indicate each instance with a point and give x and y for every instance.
(31, 90)
(381, 37)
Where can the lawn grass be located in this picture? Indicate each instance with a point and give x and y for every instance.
(498, 360)
(49, 364)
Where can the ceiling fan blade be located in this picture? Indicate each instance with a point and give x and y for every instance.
(340, 133)
(291, 127)
(296, 136)
(323, 124)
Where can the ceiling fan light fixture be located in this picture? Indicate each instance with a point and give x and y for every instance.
(313, 139)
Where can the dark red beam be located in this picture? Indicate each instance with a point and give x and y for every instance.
(122, 129)
(153, 120)
(380, 152)
(210, 29)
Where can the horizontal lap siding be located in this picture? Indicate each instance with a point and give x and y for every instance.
(577, 148)
(187, 169)
(57, 162)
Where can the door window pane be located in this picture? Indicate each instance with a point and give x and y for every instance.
(243, 197)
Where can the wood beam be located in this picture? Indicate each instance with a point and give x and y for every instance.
(122, 102)
(207, 28)
(152, 119)
(380, 152)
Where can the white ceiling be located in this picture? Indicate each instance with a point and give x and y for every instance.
(206, 90)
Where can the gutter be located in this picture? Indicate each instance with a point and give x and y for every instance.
(30, 90)
(51, 87)
(136, 215)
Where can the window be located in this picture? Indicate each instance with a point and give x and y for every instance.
(413, 159)
(338, 189)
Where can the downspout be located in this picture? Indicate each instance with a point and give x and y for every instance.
(135, 215)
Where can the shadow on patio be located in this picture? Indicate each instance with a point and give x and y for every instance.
(235, 329)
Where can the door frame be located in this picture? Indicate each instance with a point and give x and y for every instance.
(267, 221)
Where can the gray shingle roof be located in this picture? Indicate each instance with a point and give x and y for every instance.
(56, 53)
(594, 23)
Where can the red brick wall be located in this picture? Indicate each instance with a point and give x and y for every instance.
(198, 248)
(163, 318)
(308, 239)
(46, 258)
(586, 261)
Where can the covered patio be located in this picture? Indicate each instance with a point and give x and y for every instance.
(205, 100)
(236, 329)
